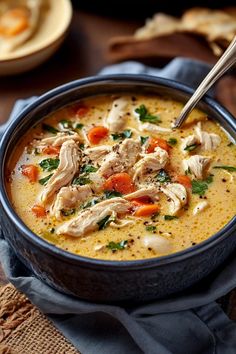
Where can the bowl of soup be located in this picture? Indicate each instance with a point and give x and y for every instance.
(102, 199)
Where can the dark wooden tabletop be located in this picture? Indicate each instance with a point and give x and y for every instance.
(83, 54)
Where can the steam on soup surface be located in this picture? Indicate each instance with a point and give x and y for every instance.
(108, 178)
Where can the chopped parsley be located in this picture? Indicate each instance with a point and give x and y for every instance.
(66, 124)
(143, 139)
(102, 224)
(44, 181)
(117, 246)
(81, 146)
(200, 187)
(191, 147)
(172, 141)
(125, 134)
(112, 194)
(81, 181)
(49, 128)
(49, 164)
(88, 169)
(90, 203)
(145, 116)
(67, 212)
(170, 217)
(79, 126)
(151, 228)
(227, 168)
(163, 176)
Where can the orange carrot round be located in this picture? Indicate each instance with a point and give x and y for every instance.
(184, 180)
(147, 210)
(153, 143)
(39, 211)
(51, 150)
(30, 171)
(141, 201)
(96, 134)
(119, 182)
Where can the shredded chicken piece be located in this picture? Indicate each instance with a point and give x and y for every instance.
(121, 223)
(96, 154)
(122, 157)
(117, 116)
(69, 197)
(178, 195)
(188, 141)
(59, 139)
(153, 128)
(69, 163)
(200, 207)
(150, 163)
(157, 243)
(149, 191)
(197, 165)
(97, 181)
(208, 141)
(88, 219)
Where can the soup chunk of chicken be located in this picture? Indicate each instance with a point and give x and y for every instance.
(122, 157)
(68, 166)
(178, 196)
(197, 165)
(117, 116)
(88, 220)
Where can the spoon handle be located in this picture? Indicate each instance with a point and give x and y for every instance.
(222, 65)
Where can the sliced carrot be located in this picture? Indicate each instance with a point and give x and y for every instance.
(96, 134)
(184, 180)
(39, 211)
(141, 201)
(153, 143)
(119, 182)
(147, 210)
(51, 150)
(30, 171)
(81, 110)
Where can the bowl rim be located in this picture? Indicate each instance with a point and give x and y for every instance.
(87, 262)
(46, 44)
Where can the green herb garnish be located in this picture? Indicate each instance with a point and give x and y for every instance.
(114, 246)
(90, 203)
(163, 176)
(49, 164)
(170, 217)
(67, 212)
(102, 224)
(66, 124)
(151, 228)
(143, 139)
(227, 168)
(144, 116)
(49, 128)
(191, 147)
(125, 134)
(172, 141)
(112, 194)
(81, 181)
(81, 146)
(45, 180)
(79, 126)
(88, 169)
(200, 187)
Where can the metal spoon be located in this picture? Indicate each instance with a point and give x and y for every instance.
(223, 64)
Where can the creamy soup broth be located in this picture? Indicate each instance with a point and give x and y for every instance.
(203, 202)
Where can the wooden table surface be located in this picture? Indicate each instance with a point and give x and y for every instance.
(82, 54)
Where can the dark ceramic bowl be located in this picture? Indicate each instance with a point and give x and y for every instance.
(100, 280)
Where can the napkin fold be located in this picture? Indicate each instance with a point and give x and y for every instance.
(187, 323)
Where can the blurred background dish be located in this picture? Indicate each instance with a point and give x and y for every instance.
(30, 32)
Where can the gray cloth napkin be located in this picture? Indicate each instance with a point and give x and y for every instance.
(187, 323)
